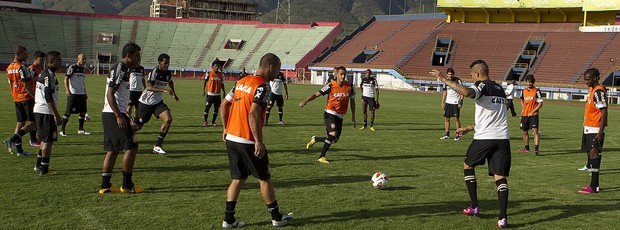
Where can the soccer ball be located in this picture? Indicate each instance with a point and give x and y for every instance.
(86, 117)
(379, 180)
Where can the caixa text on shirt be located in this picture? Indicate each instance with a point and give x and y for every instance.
(341, 94)
(244, 88)
(498, 100)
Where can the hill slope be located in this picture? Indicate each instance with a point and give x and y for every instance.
(352, 13)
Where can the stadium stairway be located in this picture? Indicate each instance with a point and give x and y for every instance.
(247, 59)
(611, 50)
(207, 46)
(566, 54)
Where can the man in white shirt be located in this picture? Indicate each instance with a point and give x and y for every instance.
(510, 89)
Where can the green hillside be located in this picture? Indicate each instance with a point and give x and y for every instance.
(352, 13)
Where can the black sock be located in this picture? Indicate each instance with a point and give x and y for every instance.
(214, 117)
(81, 122)
(527, 147)
(372, 124)
(17, 139)
(127, 182)
(502, 197)
(105, 180)
(472, 186)
(229, 212)
(206, 116)
(39, 159)
(320, 139)
(33, 135)
(447, 134)
(365, 124)
(328, 143)
(536, 147)
(596, 165)
(274, 209)
(45, 164)
(160, 139)
(280, 114)
(65, 119)
(267, 116)
(18, 136)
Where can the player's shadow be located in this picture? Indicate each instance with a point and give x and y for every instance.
(182, 168)
(398, 157)
(253, 184)
(564, 211)
(417, 209)
(561, 152)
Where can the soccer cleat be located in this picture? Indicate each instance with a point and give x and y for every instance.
(311, 143)
(457, 138)
(536, 152)
(213, 124)
(282, 123)
(284, 221)
(135, 189)
(584, 168)
(524, 150)
(323, 160)
(471, 211)
(9, 145)
(588, 190)
(109, 190)
(35, 143)
(83, 132)
(159, 150)
(236, 224)
(363, 127)
(23, 154)
(503, 223)
(63, 134)
(372, 128)
(37, 168)
(444, 137)
(204, 124)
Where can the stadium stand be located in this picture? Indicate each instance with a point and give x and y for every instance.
(192, 43)
(407, 45)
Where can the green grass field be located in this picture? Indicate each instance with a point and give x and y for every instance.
(186, 188)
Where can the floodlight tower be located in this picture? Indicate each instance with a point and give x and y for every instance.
(286, 11)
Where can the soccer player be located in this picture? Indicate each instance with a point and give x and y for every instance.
(242, 117)
(370, 98)
(243, 73)
(531, 102)
(212, 86)
(275, 95)
(510, 89)
(75, 88)
(45, 111)
(118, 130)
(152, 103)
(451, 102)
(35, 69)
(339, 92)
(22, 90)
(136, 84)
(491, 140)
(595, 121)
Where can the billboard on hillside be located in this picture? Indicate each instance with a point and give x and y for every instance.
(601, 5)
(510, 3)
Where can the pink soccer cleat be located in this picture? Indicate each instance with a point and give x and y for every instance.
(587, 190)
(524, 150)
(469, 211)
